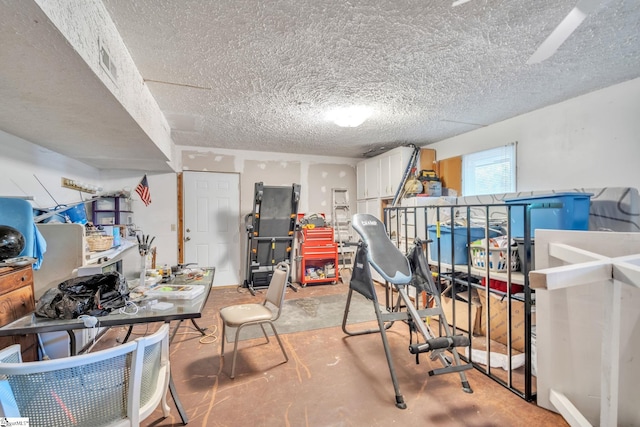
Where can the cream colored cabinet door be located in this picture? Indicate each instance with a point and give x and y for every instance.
(392, 168)
(368, 179)
(361, 180)
(386, 160)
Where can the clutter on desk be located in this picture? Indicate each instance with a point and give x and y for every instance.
(187, 274)
(179, 268)
(137, 291)
(175, 291)
(163, 277)
(94, 295)
(144, 247)
(144, 244)
(161, 305)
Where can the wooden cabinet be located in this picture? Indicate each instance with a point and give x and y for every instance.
(16, 300)
(112, 211)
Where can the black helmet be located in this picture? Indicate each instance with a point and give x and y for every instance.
(11, 242)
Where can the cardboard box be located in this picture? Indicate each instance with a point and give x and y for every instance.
(462, 314)
(434, 188)
(498, 312)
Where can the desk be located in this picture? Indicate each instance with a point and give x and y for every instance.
(181, 310)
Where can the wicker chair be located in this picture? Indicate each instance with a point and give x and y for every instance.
(119, 386)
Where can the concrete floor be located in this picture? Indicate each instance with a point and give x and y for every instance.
(331, 379)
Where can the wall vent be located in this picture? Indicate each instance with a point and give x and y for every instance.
(107, 63)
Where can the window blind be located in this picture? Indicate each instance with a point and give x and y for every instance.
(489, 171)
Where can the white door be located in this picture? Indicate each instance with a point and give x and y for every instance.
(212, 223)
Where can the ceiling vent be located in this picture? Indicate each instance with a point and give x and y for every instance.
(107, 64)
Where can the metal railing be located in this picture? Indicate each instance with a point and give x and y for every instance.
(505, 316)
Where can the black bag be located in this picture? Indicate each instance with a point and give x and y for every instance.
(93, 295)
(421, 278)
(361, 280)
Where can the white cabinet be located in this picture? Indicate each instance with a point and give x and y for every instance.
(370, 206)
(392, 167)
(361, 181)
(368, 178)
(379, 178)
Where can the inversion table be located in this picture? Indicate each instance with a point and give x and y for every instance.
(378, 251)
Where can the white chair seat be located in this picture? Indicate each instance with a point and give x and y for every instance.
(241, 315)
(245, 313)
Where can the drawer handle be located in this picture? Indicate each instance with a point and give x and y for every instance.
(23, 278)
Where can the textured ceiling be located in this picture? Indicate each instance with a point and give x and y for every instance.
(261, 75)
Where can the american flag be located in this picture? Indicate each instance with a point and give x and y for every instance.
(143, 191)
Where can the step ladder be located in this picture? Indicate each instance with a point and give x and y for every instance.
(413, 160)
(341, 221)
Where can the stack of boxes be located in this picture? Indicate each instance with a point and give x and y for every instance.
(431, 185)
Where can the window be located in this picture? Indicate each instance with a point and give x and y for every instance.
(490, 171)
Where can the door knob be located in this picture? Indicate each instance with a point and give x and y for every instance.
(186, 239)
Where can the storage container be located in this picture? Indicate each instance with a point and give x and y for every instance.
(99, 242)
(106, 204)
(460, 242)
(501, 285)
(77, 214)
(573, 214)
(433, 188)
(498, 258)
(522, 254)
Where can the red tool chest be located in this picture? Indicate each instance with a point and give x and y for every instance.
(319, 256)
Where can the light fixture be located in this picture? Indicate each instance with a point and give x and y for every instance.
(349, 117)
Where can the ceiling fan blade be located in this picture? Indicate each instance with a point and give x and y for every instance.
(564, 30)
(459, 2)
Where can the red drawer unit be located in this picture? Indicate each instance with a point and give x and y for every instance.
(319, 256)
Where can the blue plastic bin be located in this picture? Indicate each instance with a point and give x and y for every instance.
(460, 251)
(77, 214)
(573, 215)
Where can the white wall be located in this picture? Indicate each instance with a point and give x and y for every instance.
(23, 164)
(87, 26)
(317, 175)
(589, 141)
(160, 218)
